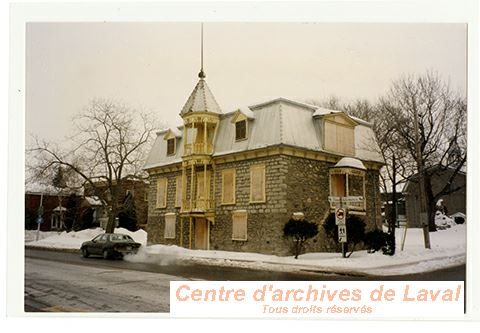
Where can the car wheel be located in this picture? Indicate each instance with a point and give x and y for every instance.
(85, 253)
(106, 254)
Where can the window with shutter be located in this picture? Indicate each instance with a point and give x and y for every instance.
(228, 186)
(240, 130)
(339, 138)
(161, 193)
(170, 220)
(178, 191)
(239, 225)
(257, 183)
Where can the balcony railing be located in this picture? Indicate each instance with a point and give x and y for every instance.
(198, 148)
(199, 205)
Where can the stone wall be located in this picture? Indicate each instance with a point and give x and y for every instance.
(308, 188)
(156, 216)
(293, 184)
(264, 220)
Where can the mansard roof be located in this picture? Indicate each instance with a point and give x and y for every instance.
(277, 122)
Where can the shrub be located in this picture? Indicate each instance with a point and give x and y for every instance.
(376, 240)
(299, 232)
(355, 229)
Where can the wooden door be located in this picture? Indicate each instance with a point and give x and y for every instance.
(201, 234)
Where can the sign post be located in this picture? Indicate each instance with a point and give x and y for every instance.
(340, 221)
(39, 216)
(341, 218)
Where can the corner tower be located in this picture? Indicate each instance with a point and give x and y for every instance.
(201, 116)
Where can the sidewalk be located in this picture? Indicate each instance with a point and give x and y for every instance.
(448, 250)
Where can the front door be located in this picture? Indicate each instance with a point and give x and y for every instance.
(201, 233)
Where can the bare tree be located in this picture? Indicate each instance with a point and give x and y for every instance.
(107, 149)
(441, 132)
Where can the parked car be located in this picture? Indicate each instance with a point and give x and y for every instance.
(110, 246)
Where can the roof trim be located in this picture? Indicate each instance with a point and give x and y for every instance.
(284, 100)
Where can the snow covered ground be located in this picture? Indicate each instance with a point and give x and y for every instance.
(73, 240)
(448, 249)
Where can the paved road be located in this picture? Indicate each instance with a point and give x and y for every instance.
(59, 281)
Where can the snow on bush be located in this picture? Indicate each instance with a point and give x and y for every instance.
(442, 221)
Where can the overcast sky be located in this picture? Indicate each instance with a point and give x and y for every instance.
(154, 66)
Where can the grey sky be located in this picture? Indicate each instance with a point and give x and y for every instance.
(154, 66)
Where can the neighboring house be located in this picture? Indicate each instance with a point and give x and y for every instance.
(53, 210)
(455, 202)
(231, 181)
(387, 206)
(136, 188)
(99, 210)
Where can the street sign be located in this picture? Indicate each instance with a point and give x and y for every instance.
(39, 220)
(353, 199)
(333, 199)
(342, 233)
(340, 216)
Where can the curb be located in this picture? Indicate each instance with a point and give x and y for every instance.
(54, 249)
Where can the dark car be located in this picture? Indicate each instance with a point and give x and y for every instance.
(110, 246)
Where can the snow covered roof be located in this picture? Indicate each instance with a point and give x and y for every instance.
(277, 122)
(349, 162)
(94, 201)
(201, 100)
(175, 131)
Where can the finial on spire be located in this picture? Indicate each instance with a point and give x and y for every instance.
(202, 73)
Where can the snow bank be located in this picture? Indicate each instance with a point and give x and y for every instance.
(448, 249)
(442, 221)
(74, 239)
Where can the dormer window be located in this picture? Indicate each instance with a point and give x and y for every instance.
(240, 130)
(171, 146)
(240, 118)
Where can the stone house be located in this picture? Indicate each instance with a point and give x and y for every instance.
(455, 202)
(230, 181)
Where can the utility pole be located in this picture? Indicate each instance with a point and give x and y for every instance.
(421, 183)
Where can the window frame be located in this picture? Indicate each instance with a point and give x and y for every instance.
(174, 146)
(246, 129)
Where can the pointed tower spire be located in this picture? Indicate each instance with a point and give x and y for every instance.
(201, 75)
(201, 99)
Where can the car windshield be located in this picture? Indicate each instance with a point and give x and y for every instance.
(120, 238)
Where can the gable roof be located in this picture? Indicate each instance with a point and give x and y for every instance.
(201, 100)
